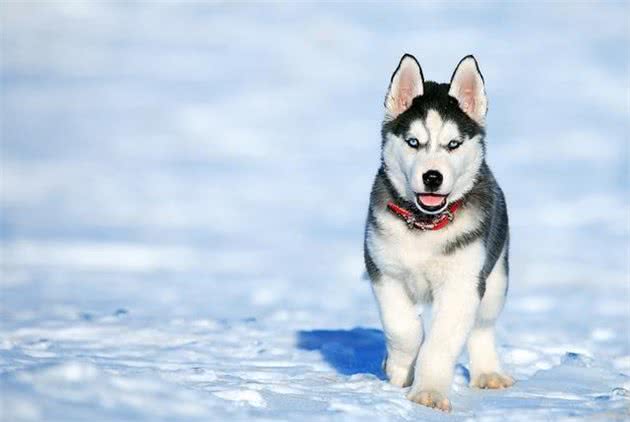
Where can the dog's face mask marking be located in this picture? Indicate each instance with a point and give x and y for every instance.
(433, 134)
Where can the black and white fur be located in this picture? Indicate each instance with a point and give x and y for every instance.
(461, 269)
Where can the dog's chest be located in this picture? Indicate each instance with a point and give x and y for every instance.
(403, 251)
(415, 256)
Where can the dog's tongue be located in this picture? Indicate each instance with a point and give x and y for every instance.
(431, 200)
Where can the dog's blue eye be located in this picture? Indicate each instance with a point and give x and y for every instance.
(412, 142)
(454, 144)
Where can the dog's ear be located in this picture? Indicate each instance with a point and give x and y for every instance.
(406, 84)
(468, 88)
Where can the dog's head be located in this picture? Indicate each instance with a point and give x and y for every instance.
(433, 134)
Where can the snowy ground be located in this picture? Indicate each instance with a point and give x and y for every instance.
(184, 189)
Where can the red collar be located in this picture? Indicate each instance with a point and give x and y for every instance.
(439, 222)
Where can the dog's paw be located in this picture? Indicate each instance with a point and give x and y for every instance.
(431, 399)
(493, 380)
(398, 374)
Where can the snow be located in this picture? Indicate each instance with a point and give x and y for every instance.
(184, 189)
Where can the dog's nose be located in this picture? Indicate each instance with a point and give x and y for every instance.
(432, 180)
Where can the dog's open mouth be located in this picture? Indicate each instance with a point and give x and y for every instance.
(430, 202)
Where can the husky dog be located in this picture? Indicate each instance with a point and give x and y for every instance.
(437, 232)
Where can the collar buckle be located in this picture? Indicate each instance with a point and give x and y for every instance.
(449, 215)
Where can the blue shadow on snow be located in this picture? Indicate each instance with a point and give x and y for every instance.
(356, 351)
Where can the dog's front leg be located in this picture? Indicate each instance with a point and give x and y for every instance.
(455, 305)
(402, 327)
